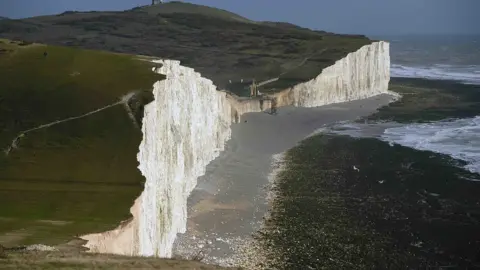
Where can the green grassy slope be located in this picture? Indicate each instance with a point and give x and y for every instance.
(75, 177)
(75, 260)
(219, 44)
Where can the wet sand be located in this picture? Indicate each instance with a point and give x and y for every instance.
(229, 202)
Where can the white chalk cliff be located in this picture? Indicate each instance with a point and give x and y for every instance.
(187, 126)
(359, 75)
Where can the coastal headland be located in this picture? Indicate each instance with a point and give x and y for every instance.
(74, 128)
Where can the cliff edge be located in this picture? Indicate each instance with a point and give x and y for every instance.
(187, 126)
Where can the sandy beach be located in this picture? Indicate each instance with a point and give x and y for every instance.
(229, 201)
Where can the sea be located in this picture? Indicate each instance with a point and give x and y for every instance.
(454, 58)
(396, 190)
(436, 57)
(440, 58)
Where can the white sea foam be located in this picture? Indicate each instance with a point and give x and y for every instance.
(467, 74)
(458, 138)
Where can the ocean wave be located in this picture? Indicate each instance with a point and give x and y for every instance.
(469, 74)
(457, 138)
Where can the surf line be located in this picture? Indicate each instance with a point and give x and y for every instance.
(124, 100)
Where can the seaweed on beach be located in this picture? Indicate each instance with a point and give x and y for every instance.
(430, 100)
(402, 208)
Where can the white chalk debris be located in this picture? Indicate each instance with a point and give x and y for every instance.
(40, 247)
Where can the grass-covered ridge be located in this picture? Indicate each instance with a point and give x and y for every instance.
(188, 8)
(74, 177)
(222, 46)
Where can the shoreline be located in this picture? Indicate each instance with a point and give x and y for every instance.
(402, 208)
(155, 226)
(228, 203)
(398, 207)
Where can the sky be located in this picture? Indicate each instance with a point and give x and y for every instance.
(370, 17)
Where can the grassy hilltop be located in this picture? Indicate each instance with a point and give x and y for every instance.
(221, 45)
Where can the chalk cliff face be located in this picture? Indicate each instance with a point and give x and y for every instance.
(359, 75)
(184, 129)
(187, 126)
